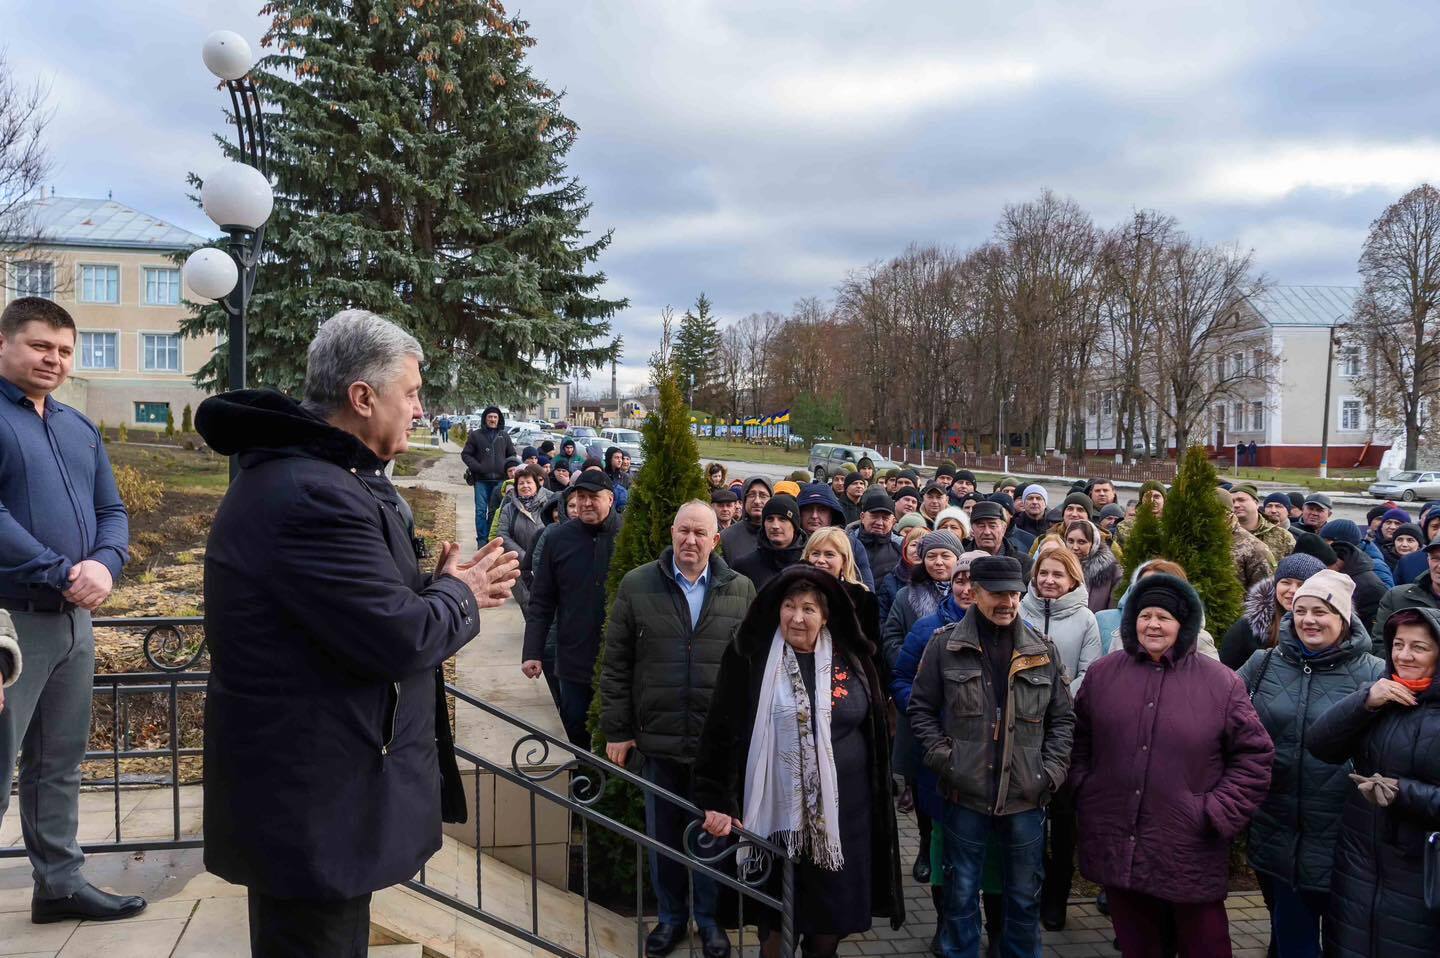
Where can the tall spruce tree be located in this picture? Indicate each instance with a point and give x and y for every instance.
(419, 171)
(670, 477)
(697, 350)
(1197, 536)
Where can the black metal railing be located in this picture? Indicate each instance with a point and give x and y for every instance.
(530, 767)
(173, 647)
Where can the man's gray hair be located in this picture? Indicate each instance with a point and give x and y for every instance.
(352, 346)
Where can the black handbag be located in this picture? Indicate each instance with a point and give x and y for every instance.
(1432, 871)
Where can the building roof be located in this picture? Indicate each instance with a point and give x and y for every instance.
(78, 221)
(1305, 305)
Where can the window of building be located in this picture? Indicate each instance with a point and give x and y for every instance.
(33, 278)
(1237, 417)
(151, 412)
(1257, 416)
(553, 413)
(1220, 414)
(1257, 362)
(1094, 405)
(1107, 405)
(1351, 414)
(99, 351)
(1350, 361)
(162, 287)
(161, 352)
(99, 284)
(555, 393)
(1220, 370)
(1237, 365)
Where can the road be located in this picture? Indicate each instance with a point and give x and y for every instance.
(1056, 489)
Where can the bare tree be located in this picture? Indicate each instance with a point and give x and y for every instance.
(24, 165)
(1396, 317)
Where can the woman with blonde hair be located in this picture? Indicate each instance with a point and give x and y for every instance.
(828, 548)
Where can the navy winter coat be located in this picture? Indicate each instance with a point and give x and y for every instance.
(323, 776)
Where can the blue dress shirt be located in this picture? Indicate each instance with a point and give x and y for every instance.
(694, 592)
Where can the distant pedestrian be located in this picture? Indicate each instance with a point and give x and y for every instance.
(486, 452)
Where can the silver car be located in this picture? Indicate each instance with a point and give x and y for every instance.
(828, 458)
(1407, 486)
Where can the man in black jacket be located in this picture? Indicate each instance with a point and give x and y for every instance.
(877, 522)
(484, 455)
(989, 531)
(664, 640)
(781, 544)
(740, 539)
(324, 780)
(574, 567)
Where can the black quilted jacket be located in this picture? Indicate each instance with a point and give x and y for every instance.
(1292, 836)
(1377, 907)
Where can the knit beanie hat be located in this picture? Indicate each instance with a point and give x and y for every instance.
(1079, 499)
(1412, 530)
(1035, 489)
(958, 514)
(909, 521)
(1248, 489)
(1002, 500)
(855, 479)
(907, 492)
(1341, 530)
(1278, 498)
(1335, 589)
(801, 477)
(1376, 512)
(1398, 514)
(787, 488)
(1160, 592)
(1152, 485)
(1297, 499)
(963, 563)
(941, 539)
(945, 469)
(1113, 511)
(1299, 566)
(782, 505)
(965, 474)
(1308, 543)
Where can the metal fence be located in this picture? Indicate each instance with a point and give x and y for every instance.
(1066, 467)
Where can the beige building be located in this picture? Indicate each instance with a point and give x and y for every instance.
(111, 266)
(553, 406)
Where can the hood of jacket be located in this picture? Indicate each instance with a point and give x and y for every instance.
(569, 444)
(755, 632)
(820, 494)
(1190, 626)
(261, 424)
(950, 610)
(501, 420)
(1356, 644)
(1357, 561)
(1432, 618)
(1261, 609)
(1101, 558)
(610, 470)
(1033, 604)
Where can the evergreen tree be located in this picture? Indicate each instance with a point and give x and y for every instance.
(1197, 536)
(419, 171)
(670, 477)
(187, 420)
(697, 350)
(169, 421)
(1146, 540)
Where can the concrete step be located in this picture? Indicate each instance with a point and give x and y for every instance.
(397, 951)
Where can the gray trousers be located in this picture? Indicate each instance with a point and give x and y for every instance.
(46, 722)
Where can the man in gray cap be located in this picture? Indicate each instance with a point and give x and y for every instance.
(992, 711)
(989, 530)
(1316, 512)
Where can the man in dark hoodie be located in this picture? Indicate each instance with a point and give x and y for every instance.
(740, 540)
(781, 542)
(484, 455)
(819, 508)
(326, 641)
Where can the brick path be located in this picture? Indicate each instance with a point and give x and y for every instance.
(1087, 932)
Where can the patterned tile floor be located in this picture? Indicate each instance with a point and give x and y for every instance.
(1087, 932)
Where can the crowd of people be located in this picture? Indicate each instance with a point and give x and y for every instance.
(812, 659)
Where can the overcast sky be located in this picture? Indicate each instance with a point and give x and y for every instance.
(759, 149)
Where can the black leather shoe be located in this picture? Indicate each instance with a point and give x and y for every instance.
(714, 942)
(87, 904)
(663, 938)
(921, 870)
(1052, 915)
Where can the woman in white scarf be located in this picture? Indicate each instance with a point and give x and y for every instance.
(795, 748)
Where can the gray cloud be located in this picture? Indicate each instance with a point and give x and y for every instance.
(757, 149)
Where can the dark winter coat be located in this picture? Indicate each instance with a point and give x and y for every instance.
(617, 475)
(1102, 575)
(1170, 763)
(1292, 836)
(486, 450)
(725, 742)
(890, 587)
(1411, 567)
(659, 672)
(1419, 594)
(1251, 631)
(1378, 564)
(323, 773)
(883, 552)
(743, 537)
(1377, 906)
(956, 716)
(911, 604)
(519, 527)
(766, 562)
(568, 589)
(905, 751)
(1369, 590)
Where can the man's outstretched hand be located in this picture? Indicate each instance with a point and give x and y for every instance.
(490, 573)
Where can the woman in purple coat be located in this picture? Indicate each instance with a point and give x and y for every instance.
(1169, 763)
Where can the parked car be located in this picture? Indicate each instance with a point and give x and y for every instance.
(628, 442)
(829, 458)
(1407, 486)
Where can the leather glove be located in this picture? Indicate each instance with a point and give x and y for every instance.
(1377, 789)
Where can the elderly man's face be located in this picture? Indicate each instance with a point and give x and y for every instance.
(878, 522)
(988, 535)
(492, 420)
(591, 507)
(1315, 515)
(383, 413)
(694, 535)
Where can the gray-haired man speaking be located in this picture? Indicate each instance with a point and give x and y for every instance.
(327, 757)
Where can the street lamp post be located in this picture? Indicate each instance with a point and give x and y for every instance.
(238, 198)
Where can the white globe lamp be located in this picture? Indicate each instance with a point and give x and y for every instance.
(210, 273)
(227, 55)
(237, 195)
